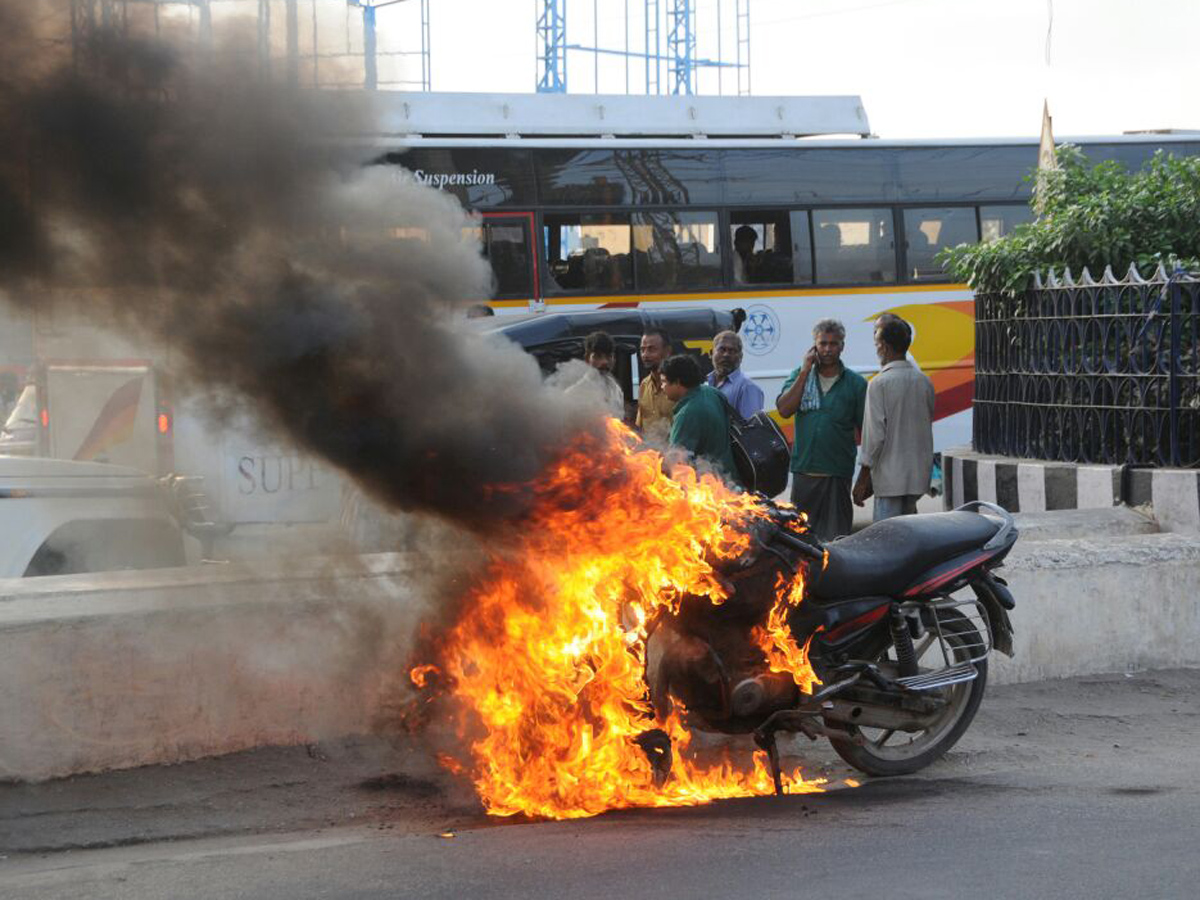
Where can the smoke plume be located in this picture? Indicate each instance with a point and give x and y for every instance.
(186, 198)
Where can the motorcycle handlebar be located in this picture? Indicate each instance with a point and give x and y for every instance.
(813, 552)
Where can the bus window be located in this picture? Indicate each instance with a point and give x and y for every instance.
(676, 250)
(997, 221)
(587, 252)
(854, 246)
(781, 252)
(928, 230)
(508, 252)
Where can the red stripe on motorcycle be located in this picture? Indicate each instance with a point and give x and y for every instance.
(861, 622)
(939, 580)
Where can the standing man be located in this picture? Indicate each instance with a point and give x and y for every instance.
(828, 405)
(654, 406)
(897, 437)
(700, 424)
(600, 353)
(727, 377)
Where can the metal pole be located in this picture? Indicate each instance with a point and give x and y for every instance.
(552, 37)
(293, 43)
(720, 56)
(626, 46)
(264, 38)
(370, 70)
(426, 49)
(1173, 383)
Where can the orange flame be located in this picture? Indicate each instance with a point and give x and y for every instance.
(776, 639)
(546, 662)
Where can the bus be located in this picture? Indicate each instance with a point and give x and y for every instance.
(589, 202)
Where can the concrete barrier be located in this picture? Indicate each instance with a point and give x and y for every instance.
(1083, 523)
(1172, 496)
(1108, 604)
(128, 669)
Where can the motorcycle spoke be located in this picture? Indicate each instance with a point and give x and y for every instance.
(885, 737)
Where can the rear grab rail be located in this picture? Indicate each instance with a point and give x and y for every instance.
(998, 539)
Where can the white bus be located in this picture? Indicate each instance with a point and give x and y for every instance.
(590, 202)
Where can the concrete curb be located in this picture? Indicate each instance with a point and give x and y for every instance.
(1113, 604)
(139, 668)
(129, 669)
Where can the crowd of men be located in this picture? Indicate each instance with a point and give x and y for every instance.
(840, 420)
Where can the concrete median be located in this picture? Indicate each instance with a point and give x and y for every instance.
(1109, 604)
(127, 669)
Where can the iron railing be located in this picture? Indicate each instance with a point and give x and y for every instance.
(1091, 371)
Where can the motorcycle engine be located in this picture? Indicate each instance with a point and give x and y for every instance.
(706, 659)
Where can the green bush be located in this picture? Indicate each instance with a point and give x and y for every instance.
(1094, 216)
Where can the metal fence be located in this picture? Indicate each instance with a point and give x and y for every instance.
(1091, 371)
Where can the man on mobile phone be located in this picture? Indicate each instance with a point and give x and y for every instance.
(827, 400)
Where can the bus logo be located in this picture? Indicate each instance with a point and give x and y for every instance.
(761, 332)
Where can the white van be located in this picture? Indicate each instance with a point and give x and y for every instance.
(61, 517)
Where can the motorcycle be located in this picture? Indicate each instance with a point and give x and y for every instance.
(902, 663)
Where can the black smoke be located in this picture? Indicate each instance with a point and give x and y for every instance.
(236, 221)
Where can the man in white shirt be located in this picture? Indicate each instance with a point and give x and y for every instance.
(897, 433)
(600, 353)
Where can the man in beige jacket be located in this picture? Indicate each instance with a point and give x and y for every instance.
(897, 433)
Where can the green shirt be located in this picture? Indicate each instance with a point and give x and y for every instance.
(701, 426)
(824, 438)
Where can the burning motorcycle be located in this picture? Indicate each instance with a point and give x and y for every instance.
(898, 663)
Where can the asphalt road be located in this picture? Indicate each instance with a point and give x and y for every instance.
(1079, 789)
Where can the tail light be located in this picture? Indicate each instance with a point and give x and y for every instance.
(164, 423)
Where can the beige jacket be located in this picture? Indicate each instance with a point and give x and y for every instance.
(654, 409)
(897, 434)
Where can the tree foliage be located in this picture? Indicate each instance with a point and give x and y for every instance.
(1093, 216)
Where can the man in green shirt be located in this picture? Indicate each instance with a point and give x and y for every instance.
(828, 406)
(701, 419)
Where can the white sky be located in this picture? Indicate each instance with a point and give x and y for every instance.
(924, 68)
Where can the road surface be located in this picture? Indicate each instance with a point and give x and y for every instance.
(1084, 788)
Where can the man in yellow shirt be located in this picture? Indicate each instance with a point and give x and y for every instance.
(654, 406)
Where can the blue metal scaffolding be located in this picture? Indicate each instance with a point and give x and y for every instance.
(679, 21)
(552, 41)
(371, 53)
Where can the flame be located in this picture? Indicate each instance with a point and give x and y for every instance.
(545, 664)
(421, 676)
(775, 640)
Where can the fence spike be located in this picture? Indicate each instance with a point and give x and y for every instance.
(1108, 277)
(1085, 278)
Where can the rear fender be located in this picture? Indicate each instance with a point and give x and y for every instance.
(997, 600)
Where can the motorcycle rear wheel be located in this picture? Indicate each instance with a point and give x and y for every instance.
(883, 753)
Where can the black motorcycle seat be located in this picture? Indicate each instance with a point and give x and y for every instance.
(885, 558)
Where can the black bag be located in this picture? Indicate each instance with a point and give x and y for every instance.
(760, 451)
